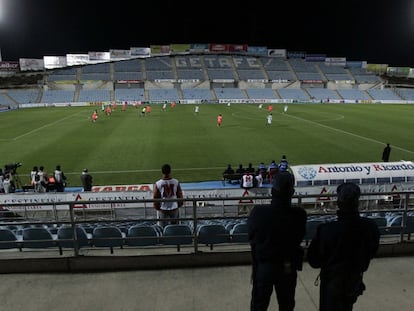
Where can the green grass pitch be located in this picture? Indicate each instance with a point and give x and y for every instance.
(125, 148)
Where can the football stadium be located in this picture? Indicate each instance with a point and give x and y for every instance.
(123, 114)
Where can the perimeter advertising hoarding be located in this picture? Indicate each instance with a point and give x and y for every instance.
(320, 179)
(180, 48)
(120, 54)
(219, 48)
(77, 59)
(398, 71)
(140, 52)
(160, 49)
(9, 66)
(52, 62)
(257, 50)
(31, 64)
(315, 57)
(33, 201)
(276, 53)
(99, 56)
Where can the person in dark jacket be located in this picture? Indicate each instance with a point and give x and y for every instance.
(386, 153)
(343, 249)
(87, 180)
(276, 232)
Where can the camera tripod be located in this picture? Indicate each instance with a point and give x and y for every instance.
(16, 182)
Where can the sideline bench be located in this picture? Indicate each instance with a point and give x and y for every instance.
(232, 178)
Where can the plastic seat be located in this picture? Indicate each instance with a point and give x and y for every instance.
(177, 234)
(239, 233)
(65, 238)
(381, 223)
(38, 238)
(139, 235)
(9, 239)
(107, 236)
(211, 234)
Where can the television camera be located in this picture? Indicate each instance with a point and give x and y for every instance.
(11, 170)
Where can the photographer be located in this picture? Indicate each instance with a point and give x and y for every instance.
(13, 181)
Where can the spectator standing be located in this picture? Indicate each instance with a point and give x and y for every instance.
(276, 232)
(60, 179)
(167, 188)
(343, 249)
(86, 179)
(386, 153)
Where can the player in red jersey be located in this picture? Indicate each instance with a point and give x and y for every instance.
(219, 120)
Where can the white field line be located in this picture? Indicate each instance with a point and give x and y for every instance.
(44, 126)
(347, 133)
(152, 170)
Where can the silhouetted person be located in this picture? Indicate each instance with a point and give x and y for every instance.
(343, 249)
(386, 153)
(276, 232)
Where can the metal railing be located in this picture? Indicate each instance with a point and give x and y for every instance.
(195, 211)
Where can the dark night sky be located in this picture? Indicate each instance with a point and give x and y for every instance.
(378, 31)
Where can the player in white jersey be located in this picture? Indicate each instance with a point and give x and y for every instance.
(269, 119)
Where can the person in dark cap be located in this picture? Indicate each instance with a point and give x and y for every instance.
(87, 180)
(343, 249)
(276, 232)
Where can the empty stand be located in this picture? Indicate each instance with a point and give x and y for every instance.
(107, 236)
(8, 239)
(239, 233)
(141, 235)
(177, 234)
(211, 234)
(66, 237)
(38, 237)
